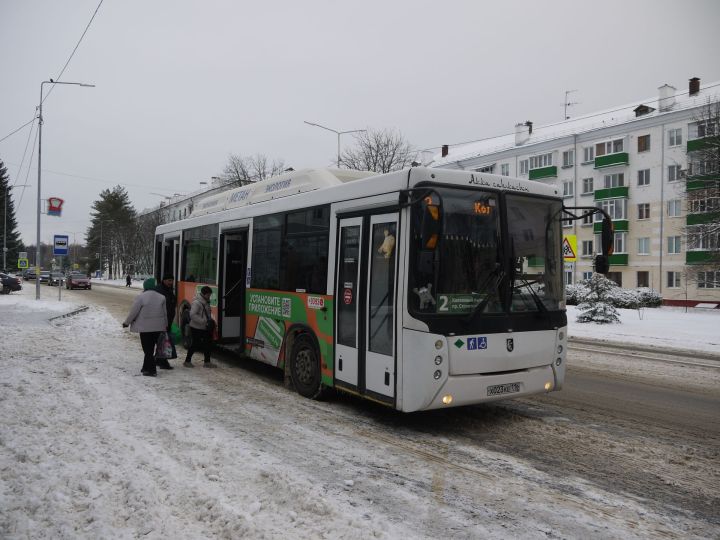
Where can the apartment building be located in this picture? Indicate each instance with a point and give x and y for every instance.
(632, 161)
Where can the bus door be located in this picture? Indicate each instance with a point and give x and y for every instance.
(231, 301)
(365, 300)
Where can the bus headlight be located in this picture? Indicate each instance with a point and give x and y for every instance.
(437, 374)
(548, 386)
(439, 344)
(447, 400)
(561, 335)
(558, 361)
(560, 349)
(438, 360)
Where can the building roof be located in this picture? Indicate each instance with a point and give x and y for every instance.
(581, 124)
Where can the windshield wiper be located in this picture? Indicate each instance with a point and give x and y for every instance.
(496, 273)
(525, 283)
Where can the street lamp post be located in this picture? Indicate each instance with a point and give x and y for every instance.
(338, 136)
(5, 249)
(39, 192)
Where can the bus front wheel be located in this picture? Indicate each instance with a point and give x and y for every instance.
(305, 367)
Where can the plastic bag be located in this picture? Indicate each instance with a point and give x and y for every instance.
(175, 333)
(164, 347)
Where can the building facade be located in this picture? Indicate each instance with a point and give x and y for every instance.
(632, 161)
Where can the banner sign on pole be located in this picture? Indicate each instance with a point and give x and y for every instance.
(55, 206)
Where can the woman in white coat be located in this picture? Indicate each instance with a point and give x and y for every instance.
(148, 317)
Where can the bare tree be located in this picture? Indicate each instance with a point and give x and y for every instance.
(244, 170)
(703, 194)
(381, 151)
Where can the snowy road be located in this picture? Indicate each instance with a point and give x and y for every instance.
(88, 449)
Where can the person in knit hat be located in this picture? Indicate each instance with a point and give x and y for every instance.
(165, 287)
(148, 317)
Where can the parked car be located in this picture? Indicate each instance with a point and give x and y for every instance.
(9, 283)
(55, 278)
(44, 276)
(29, 273)
(77, 280)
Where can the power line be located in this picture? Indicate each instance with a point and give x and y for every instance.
(74, 50)
(87, 27)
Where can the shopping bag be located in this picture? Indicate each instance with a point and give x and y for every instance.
(175, 333)
(164, 347)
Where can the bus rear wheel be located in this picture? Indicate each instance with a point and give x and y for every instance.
(305, 367)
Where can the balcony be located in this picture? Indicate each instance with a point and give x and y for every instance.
(702, 144)
(545, 172)
(618, 259)
(610, 160)
(621, 192)
(701, 219)
(699, 256)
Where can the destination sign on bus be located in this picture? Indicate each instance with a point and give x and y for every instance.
(484, 208)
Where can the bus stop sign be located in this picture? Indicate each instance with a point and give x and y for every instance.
(60, 245)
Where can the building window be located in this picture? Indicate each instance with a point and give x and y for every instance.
(708, 280)
(587, 219)
(643, 143)
(614, 180)
(566, 222)
(616, 209)
(707, 128)
(644, 177)
(543, 160)
(568, 158)
(486, 169)
(523, 166)
(674, 208)
(643, 246)
(673, 280)
(587, 275)
(706, 204)
(568, 188)
(619, 242)
(587, 184)
(568, 277)
(609, 147)
(643, 210)
(505, 169)
(701, 167)
(703, 240)
(643, 279)
(616, 277)
(674, 173)
(675, 137)
(673, 245)
(588, 154)
(587, 248)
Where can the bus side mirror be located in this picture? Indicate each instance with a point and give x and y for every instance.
(602, 264)
(607, 237)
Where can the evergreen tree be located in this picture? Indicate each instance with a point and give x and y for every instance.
(597, 307)
(11, 235)
(112, 234)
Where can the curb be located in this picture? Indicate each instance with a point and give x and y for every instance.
(78, 310)
(644, 348)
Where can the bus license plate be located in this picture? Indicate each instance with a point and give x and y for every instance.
(499, 389)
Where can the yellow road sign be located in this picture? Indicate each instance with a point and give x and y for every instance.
(569, 248)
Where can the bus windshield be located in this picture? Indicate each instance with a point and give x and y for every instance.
(461, 263)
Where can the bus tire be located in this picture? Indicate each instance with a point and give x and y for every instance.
(305, 367)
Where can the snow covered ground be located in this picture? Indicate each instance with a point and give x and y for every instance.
(90, 449)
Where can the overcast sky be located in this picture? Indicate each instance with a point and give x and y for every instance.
(182, 84)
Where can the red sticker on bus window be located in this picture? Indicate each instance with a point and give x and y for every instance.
(347, 296)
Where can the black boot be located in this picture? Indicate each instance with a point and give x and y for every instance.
(163, 364)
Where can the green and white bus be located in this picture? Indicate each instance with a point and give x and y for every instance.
(418, 289)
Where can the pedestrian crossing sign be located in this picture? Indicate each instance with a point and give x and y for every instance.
(22, 263)
(569, 248)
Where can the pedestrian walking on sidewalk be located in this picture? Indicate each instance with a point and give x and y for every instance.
(202, 327)
(128, 280)
(148, 317)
